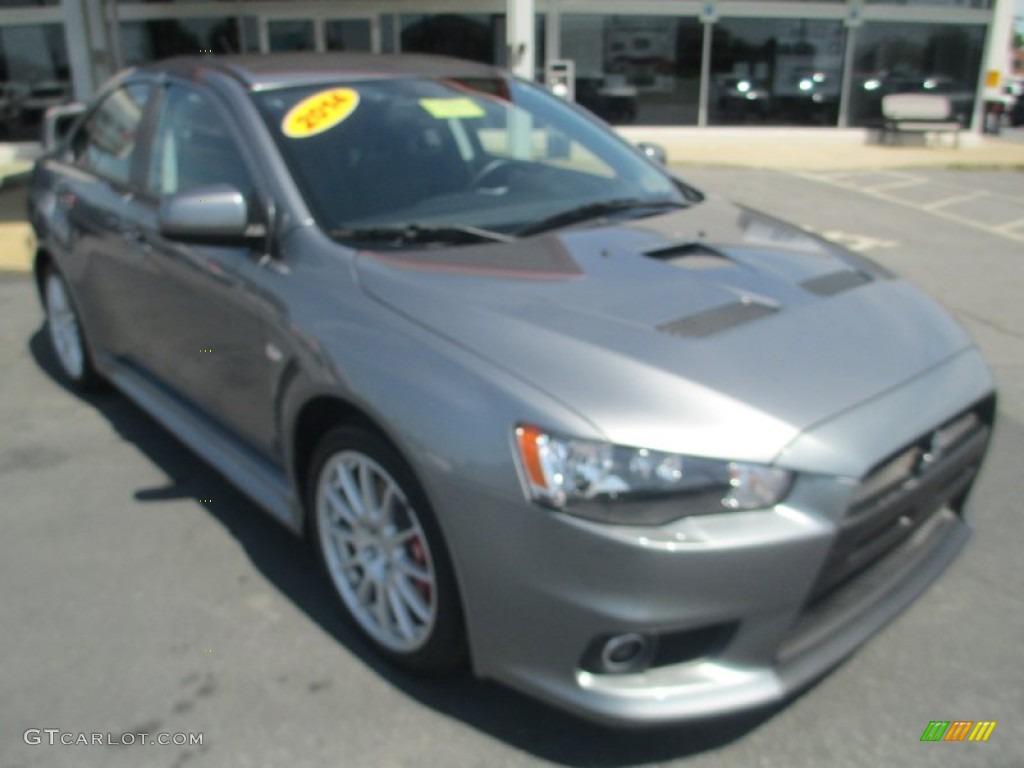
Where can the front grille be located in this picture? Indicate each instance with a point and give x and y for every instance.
(903, 491)
(904, 512)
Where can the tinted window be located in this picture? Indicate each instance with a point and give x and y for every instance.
(106, 143)
(192, 147)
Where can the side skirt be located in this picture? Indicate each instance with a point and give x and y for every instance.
(253, 475)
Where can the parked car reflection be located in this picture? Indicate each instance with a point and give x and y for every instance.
(743, 98)
(22, 105)
(610, 97)
(873, 86)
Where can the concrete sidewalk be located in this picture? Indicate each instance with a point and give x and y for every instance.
(782, 149)
(823, 149)
(17, 240)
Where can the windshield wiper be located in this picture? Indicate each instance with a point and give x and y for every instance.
(594, 210)
(421, 233)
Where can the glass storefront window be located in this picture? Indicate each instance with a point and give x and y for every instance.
(643, 69)
(472, 36)
(143, 41)
(291, 35)
(946, 3)
(348, 35)
(34, 75)
(903, 57)
(776, 71)
(475, 36)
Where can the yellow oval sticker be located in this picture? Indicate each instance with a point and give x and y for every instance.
(319, 112)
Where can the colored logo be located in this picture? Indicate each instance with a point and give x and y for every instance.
(319, 112)
(958, 730)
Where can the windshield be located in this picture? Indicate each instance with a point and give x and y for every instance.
(489, 156)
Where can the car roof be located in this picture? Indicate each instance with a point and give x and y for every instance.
(273, 70)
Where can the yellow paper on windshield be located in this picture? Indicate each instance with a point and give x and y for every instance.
(319, 112)
(459, 108)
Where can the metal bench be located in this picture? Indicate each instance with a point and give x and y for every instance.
(921, 113)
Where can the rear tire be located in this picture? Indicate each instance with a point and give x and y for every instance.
(383, 553)
(66, 335)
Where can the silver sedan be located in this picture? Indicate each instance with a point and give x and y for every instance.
(541, 406)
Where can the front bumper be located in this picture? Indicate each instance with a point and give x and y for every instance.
(539, 587)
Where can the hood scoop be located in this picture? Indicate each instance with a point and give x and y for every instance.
(718, 319)
(695, 256)
(835, 282)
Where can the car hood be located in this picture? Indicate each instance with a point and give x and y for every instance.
(713, 330)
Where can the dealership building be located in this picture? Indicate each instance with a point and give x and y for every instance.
(642, 62)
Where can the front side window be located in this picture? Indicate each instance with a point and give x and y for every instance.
(193, 147)
(106, 143)
(485, 153)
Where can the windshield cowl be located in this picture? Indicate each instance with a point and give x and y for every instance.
(415, 233)
(599, 209)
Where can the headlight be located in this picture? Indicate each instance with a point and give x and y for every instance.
(637, 486)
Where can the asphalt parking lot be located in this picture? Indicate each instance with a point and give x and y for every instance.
(992, 203)
(140, 593)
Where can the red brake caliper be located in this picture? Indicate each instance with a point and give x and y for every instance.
(419, 556)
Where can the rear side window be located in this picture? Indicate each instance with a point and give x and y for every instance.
(193, 147)
(106, 143)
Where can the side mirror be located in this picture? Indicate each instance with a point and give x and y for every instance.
(211, 214)
(57, 121)
(653, 152)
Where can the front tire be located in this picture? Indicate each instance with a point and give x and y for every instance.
(382, 551)
(67, 337)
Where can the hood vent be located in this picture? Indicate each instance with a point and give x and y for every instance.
(690, 256)
(835, 282)
(716, 320)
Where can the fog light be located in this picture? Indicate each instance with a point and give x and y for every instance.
(630, 652)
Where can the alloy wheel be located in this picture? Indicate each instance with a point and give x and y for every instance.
(376, 552)
(65, 335)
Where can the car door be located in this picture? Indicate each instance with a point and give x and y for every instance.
(94, 193)
(206, 305)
